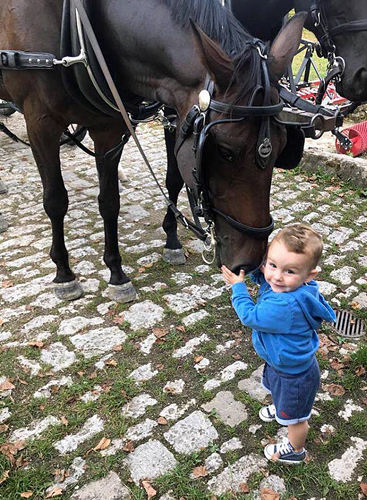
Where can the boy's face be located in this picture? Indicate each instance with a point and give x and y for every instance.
(286, 271)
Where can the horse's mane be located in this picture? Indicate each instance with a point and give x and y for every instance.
(221, 25)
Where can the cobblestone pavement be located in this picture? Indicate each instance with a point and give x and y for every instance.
(100, 400)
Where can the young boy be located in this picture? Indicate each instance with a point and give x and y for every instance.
(284, 320)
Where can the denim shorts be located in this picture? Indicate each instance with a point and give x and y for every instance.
(293, 394)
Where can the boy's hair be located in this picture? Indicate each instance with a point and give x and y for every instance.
(300, 238)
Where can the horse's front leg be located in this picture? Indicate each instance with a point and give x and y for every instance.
(44, 134)
(173, 252)
(120, 287)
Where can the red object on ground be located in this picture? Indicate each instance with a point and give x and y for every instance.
(358, 135)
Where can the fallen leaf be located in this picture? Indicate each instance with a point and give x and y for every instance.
(21, 381)
(128, 447)
(355, 305)
(11, 449)
(55, 492)
(26, 494)
(162, 421)
(111, 362)
(334, 389)
(117, 348)
(359, 371)
(119, 319)
(151, 492)
(6, 385)
(92, 375)
(336, 364)
(160, 332)
(80, 374)
(1, 322)
(38, 344)
(197, 359)
(181, 328)
(64, 420)
(243, 487)
(268, 494)
(363, 487)
(3, 428)
(7, 284)
(159, 367)
(200, 471)
(4, 476)
(103, 444)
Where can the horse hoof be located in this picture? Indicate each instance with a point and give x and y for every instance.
(122, 293)
(174, 257)
(70, 290)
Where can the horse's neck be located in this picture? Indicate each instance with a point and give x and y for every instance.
(152, 56)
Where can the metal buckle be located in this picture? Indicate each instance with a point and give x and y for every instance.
(265, 148)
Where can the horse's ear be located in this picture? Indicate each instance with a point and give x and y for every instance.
(218, 63)
(286, 44)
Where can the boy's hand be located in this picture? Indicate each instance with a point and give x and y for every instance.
(232, 278)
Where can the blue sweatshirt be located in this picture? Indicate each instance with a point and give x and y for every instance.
(284, 324)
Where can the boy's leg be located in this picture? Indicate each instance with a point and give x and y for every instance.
(297, 434)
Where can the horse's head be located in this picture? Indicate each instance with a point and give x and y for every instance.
(343, 28)
(237, 146)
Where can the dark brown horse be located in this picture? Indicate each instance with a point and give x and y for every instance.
(155, 52)
(339, 25)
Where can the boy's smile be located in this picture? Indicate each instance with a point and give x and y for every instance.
(286, 271)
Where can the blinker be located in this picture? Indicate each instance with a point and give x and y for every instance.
(204, 100)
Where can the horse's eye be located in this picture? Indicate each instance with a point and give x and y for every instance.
(226, 154)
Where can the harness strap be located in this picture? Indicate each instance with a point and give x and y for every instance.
(18, 60)
(246, 111)
(359, 25)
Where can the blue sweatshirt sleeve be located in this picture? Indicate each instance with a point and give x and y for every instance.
(257, 277)
(271, 315)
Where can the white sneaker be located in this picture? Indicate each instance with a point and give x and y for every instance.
(267, 413)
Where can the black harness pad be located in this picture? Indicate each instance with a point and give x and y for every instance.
(76, 78)
(292, 154)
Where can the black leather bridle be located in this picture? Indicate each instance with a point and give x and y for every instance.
(327, 45)
(196, 124)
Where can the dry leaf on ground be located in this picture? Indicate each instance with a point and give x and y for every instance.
(55, 492)
(151, 492)
(6, 385)
(268, 494)
(103, 444)
(200, 471)
(4, 476)
(38, 344)
(244, 488)
(160, 332)
(162, 421)
(363, 487)
(129, 447)
(65, 421)
(197, 359)
(334, 389)
(26, 494)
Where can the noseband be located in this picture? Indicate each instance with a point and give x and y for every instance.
(197, 124)
(325, 37)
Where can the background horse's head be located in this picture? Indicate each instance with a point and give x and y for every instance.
(346, 24)
(236, 183)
